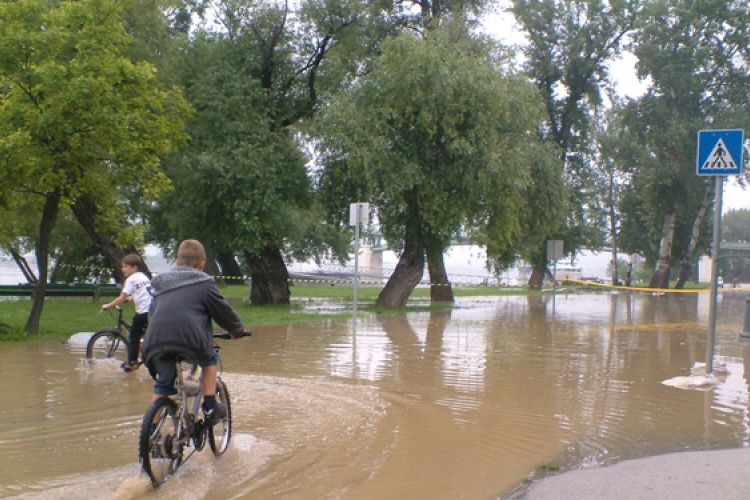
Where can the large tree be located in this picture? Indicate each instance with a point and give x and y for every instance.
(569, 46)
(696, 55)
(437, 149)
(251, 84)
(77, 118)
(618, 157)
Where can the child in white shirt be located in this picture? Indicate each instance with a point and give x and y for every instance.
(136, 286)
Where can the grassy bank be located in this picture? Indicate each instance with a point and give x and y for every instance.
(64, 316)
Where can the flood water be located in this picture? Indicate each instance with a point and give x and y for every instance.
(466, 403)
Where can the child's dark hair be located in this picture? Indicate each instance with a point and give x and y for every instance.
(133, 259)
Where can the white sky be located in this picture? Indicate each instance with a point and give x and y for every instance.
(502, 26)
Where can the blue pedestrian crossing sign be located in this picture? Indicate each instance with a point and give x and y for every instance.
(720, 152)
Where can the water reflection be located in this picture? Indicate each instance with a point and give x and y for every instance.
(442, 404)
(593, 365)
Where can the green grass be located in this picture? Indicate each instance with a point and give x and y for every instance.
(546, 468)
(64, 316)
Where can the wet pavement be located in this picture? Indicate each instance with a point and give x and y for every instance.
(706, 475)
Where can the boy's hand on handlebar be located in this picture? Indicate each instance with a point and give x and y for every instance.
(236, 336)
(233, 336)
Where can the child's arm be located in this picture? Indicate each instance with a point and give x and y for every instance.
(223, 313)
(123, 297)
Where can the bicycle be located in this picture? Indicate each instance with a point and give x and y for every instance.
(171, 424)
(110, 343)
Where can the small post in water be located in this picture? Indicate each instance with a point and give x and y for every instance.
(358, 214)
(746, 328)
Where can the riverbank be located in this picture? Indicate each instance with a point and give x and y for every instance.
(65, 316)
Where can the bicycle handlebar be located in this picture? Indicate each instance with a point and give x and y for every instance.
(227, 335)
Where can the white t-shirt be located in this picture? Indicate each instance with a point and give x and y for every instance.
(137, 286)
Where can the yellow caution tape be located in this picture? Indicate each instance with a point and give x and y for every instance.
(644, 289)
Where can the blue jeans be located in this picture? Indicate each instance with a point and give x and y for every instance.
(166, 371)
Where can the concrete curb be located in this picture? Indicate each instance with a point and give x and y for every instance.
(723, 474)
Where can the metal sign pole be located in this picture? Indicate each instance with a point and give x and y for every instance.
(720, 153)
(358, 218)
(711, 339)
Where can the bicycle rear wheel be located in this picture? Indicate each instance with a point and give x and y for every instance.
(158, 448)
(220, 434)
(107, 344)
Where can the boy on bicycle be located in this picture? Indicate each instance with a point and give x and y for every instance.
(186, 300)
(137, 283)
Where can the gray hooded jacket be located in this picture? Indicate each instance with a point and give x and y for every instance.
(186, 300)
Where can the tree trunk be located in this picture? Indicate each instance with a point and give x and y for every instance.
(270, 278)
(661, 271)
(613, 227)
(615, 270)
(440, 288)
(405, 277)
(85, 211)
(613, 236)
(230, 269)
(212, 269)
(694, 235)
(537, 277)
(59, 262)
(629, 275)
(49, 217)
(24, 266)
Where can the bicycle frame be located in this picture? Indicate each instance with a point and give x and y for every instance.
(187, 412)
(171, 423)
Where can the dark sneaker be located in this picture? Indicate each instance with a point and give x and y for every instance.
(215, 415)
(130, 366)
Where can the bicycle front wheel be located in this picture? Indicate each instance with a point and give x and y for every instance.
(107, 344)
(159, 446)
(219, 434)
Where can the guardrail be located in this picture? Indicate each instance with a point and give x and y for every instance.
(61, 290)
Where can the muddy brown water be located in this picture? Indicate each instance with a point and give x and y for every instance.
(426, 405)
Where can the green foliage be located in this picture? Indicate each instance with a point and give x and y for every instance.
(8, 334)
(76, 114)
(76, 259)
(735, 226)
(435, 148)
(695, 55)
(570, 44)
(545, 201)
(247, 171)
(20, 215)
(78, 119)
